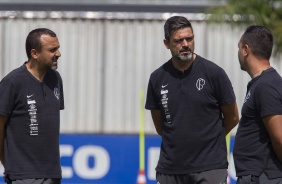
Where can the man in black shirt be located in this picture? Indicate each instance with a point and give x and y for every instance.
(193, 107)
(31, 98)
(258, 142)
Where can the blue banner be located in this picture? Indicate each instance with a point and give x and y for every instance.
(106, 159)
(111, 159)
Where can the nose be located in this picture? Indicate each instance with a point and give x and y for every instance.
(58, 53)
(185, 43)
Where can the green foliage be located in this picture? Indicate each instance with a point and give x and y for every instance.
(267, 13)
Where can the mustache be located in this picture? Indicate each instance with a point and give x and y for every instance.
(185, 50)
(55, 59)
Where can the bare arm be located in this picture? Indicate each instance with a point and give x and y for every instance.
(273, 125)
(156, 116)
(230, 116)
(3, 120)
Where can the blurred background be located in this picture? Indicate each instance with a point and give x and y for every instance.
(109, 49)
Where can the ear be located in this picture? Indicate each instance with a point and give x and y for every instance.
(34, 54)
(246, 50)
(166, 42)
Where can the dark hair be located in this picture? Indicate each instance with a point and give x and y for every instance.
(174, 23)
(260, 40)
(33, 39)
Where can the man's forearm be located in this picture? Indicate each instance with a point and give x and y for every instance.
(2, 159)
(278, 151)
(3, 120)
(230, 116)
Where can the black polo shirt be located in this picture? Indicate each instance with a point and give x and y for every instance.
(31, 142)
(253, 153)
(193, 137)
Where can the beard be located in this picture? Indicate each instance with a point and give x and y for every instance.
(54, 64)
(188, 57)
(184, 56)
(54, 67)
(241, 61)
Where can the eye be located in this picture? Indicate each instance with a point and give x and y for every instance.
(189, 39)
(54, 50)
(178, 41)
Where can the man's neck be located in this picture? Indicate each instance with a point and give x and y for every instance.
(33, 68)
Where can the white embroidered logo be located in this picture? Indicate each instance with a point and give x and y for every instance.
(164, 102)
(33, 126)
(57, 93)
(163, 86)
(247, 96)
(200, 84)
(28, 96)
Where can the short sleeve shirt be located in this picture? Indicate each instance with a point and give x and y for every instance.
(31, 142)
(253, 153)
(193, 137)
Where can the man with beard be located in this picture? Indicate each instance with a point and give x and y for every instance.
(193, 108)
(31, 98)
(258, 142)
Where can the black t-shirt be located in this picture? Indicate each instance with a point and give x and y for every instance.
(193, 137)
(31, 142)
(253, 153)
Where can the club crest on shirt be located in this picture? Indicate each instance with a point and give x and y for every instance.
(57, 93)
(200, 84)
(247, 96)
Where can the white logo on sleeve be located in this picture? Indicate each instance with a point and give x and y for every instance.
(57, 93)
(200, 84)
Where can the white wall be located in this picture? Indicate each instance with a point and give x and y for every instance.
(106, 64)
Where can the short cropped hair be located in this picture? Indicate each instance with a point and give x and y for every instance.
(33, 39)
(174, 23)
(260, 40)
